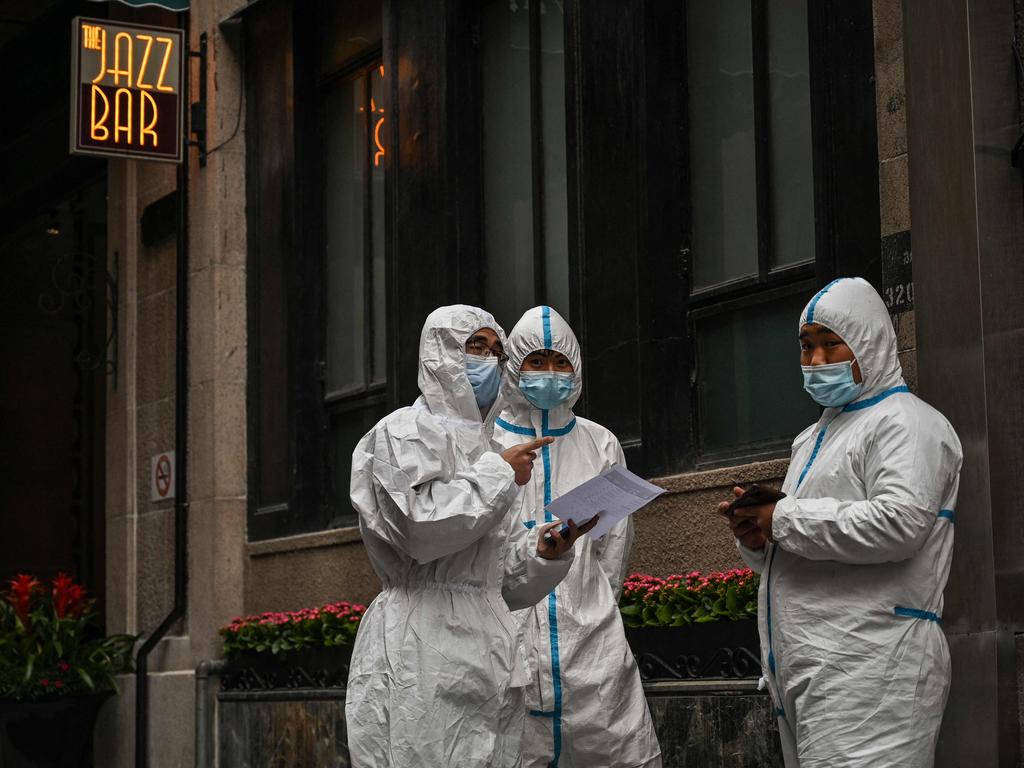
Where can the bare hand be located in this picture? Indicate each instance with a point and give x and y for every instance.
(558, 545)
(521, 457)
(752, 526)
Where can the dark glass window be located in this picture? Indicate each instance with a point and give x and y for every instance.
(752, 239)
(525, 203)
(316, 240)
(355, 355)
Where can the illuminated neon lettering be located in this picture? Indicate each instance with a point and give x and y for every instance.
(379, 154)
(120, 127)
(103, 53)
(98, 131)
(169, 42)
(93, 40)
(117, 72)
(145, 63)
(144, 129)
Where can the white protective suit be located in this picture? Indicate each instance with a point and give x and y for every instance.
(437, 671)
(851, 588)
(587, 705)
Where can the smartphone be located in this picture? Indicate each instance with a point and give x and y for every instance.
(755, 496)
(563, 532)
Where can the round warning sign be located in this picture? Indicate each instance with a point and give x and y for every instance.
(162, 477)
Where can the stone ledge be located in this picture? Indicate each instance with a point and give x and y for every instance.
(702, 480)
(329, 538)
(705, 685)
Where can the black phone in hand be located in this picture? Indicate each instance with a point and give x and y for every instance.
(755, 496)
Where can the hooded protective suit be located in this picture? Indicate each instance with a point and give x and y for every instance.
(587, 705)
(437, 671)
(851, 588)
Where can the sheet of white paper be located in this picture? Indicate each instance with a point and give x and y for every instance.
(615, 494)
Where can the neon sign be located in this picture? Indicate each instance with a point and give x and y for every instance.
(126, 96)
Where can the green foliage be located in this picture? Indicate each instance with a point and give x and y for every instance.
(651, 601)
(330, 625)
(51, 645)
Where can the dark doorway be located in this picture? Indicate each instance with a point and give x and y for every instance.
(53, 312)
(53, 327)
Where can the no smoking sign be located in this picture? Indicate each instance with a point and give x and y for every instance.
(161, 477)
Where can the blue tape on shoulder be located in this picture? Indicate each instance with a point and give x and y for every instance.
(948, 514)
(861, 404)
(515, 428)
(529, 523)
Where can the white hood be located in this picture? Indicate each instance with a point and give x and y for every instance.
(442, 375)
(541, 328)
(853, 309)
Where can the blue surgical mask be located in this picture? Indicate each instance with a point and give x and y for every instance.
(485, 376)
(545, 389)
(832, 385)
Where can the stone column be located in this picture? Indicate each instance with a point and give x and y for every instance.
(966, 205)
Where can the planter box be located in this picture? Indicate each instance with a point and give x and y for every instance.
(321, 668)
(717, 649)
(49, 734)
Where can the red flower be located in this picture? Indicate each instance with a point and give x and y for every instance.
(58, 684)
(68, 597)
(23, 589)
(44, 682)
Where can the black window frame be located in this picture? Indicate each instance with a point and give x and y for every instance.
(853, 158)
(375, 392)
(284, 180)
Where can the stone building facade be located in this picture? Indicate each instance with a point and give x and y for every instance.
(235, 567)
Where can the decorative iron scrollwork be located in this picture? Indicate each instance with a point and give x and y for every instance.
(722, 662)
(73, 281)
(282, 677)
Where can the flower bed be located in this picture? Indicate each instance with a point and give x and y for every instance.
(307, 648)
(327, 626)
(651, 601)
(693, 626)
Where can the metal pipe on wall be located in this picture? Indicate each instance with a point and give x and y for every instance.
(206, 669)
(181, 453)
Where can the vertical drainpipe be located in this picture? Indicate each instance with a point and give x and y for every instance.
(180, 444)
(204, 717)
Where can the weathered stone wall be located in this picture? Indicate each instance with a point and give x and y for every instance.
(141, 410)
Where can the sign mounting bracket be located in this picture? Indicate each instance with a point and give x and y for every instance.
(197, 109)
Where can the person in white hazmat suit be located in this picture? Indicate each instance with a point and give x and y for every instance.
(854, 559)
(586, 702)
(437, 670)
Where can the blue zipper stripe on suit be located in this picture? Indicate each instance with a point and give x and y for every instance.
(817, 298)
(556, 677)
(857, 406)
